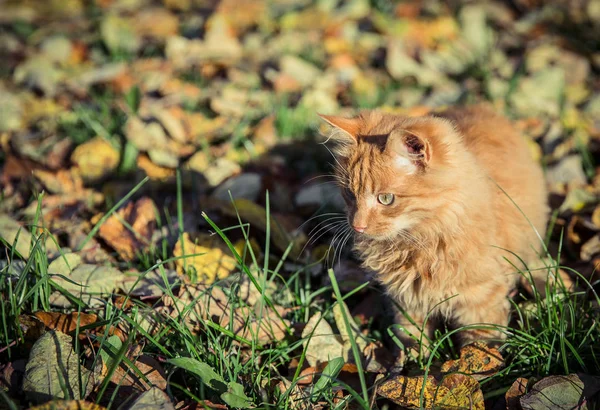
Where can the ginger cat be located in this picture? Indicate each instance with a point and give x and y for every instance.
(423, 196)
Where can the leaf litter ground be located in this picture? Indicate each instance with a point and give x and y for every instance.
(168, 216)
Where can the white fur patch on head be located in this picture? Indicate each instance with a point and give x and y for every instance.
(371, 201)
(405, 164)
(401, 223)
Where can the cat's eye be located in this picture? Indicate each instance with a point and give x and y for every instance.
(385, 199)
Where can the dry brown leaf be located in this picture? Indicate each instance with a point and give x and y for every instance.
(378, 359)
(455, 391)
(60, 182)
(141, 217)
(148, 366)
(242, 14)
(153, 171)
(211, 303)
(156, 23)
(298, 399)
(265, 328)
(208, 302)
(201, 405)
(67, 323)
(11, 375)
(512, 396)
(476, 359)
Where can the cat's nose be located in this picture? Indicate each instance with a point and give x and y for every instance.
(359, 229)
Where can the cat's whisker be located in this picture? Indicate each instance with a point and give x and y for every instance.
(336, 177)
(347, 237)
(323, 230)
(318, 216)
(338, 234)
(340, 238)
(328, 220)
(333, 156)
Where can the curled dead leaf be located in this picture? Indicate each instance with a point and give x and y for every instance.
(454, 391)
(515, 392)
(135, 233)
(68, 323)
(476, 359)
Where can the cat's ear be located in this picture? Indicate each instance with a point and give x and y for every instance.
(409, 150)
(349, 127)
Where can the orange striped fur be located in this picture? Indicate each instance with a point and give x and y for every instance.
(449, 228)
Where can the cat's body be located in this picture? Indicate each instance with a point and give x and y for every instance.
(441, 245)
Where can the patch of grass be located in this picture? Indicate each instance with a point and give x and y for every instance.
(294, 122)
(555, 334)
(100, 116)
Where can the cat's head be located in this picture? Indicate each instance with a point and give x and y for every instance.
(395, 172)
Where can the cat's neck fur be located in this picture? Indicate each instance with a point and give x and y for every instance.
(438, 249)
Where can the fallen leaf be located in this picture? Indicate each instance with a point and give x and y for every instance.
(155, 23)
(64, 264)
(62, 181)
(515, 392)
(560, 392)
(297, 398)
(11, 111)
(119, 34)
(153, 399)
(133, 235)
(41, 73)
(454, 391)
(155, 375)
(67, 323)
(215, 172)
(577, 199)
(219, 45)
(347, 333)
(11, 375)
(476, 359)
(264, 327)
(11, 231)
(95, 159)
(68, 405)
(153, 171)
(540, 93)
(320, 343)
(260, 323)
(300, 70)
(53, 366)
(88, 283)
(211, 258)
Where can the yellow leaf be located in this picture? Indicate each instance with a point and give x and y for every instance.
(68, 405)
(455, 391)
(211, 260)
(96, 159)
(476, 358)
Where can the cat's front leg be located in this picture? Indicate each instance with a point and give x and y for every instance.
(483, 318)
